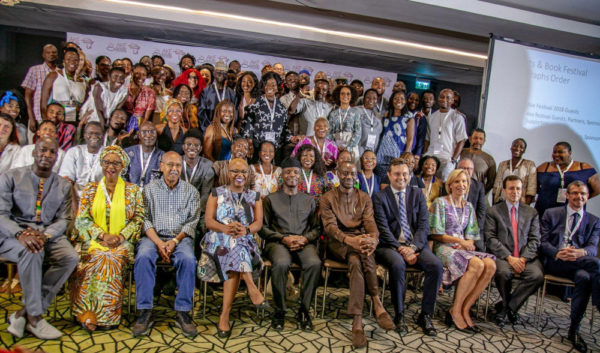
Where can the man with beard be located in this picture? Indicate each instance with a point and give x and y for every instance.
(292, 87)
(187, 62)
(426, 100)
(33, 84)
(25, 155)
(381, 106)
(352, 236)
(309, 109)
(115, 133)
(81, 165)
(212, 95)
(484, 163)
(239, 149)
(106, 97)
(359, 87)
(231, 79)
(235, 66)
(145, 157)
(291, 230)
(35, 209)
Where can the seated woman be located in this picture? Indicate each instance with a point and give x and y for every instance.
(367, 180)
(454, 229)
(230, 254)
(428, 166)
(266, 174)
(9, 142)
(108, 224)
(314, 180)
(218, 136)
(170, 134)
(327, 148)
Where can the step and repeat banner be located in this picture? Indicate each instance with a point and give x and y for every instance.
(116, 48)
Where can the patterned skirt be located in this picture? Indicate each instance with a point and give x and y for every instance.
(455, 261)
(97, 285)
(222, 253)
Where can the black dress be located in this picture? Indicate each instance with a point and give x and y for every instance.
(166, 143)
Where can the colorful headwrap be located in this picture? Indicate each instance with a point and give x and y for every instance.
(171, 101)
(8, 96)
(119, 152)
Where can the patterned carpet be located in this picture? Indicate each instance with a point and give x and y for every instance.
(252, 333)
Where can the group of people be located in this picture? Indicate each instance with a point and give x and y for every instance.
(231, 169)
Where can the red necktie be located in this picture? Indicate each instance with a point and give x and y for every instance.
(515, 230)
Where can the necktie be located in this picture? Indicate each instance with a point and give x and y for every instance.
(515, 230)
(403, 220)
(575, 219)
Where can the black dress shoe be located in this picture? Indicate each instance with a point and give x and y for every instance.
(304, 321)
(278, 321)
(501, 317)
(514, 317)
(401, 328)
(224, 333)
(424, 320)
(498, 307)
(578, 342)
(450, 322)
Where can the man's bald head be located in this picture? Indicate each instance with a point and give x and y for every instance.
(44, 155)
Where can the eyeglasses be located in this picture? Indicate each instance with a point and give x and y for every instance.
(237, 171)
(106, 163)
(192, 145)
(148, 132)
(345, 174)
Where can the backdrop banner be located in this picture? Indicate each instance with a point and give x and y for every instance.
(116, 48)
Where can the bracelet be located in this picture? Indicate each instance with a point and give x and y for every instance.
(175, 241)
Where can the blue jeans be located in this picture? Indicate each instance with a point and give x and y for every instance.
(144, 270)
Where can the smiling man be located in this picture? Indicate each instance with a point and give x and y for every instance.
(25, 156)
(33, 84)
(145, 157)
(484, 163)
(213, 94)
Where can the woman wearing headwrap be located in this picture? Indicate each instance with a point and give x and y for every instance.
(170, 133)
(193, 78)
(108, 224)
(9, 104)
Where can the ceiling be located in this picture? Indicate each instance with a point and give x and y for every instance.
(464, 26)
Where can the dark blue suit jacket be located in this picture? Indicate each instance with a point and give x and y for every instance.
(134, 171)
(387, 217)
(553, 230)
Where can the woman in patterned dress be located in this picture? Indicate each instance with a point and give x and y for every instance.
(314, 180)
(266, 174)
(327, 148)
(345, 123)
(230, 254)
(108, 224)
(454, 229)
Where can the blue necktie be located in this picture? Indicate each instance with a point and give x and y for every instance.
(403, 220)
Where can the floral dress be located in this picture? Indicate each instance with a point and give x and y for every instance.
(318, 185)
(329, 152)
(393, 142)
(222, 253)
(443, 220)
(97, 284)
(264, 184)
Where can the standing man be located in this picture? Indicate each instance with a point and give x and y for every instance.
(476, 197)
(311, 109)
(35, 209)
(378, 84)
(485, 166)
(235, 66)
(446, 134)
(512, 234)
(145, 157)
(403, 222)
(212, 95)
(173, 211)
(291, 229)
(358, 86)
(352, 236)
(569, 249)
(427, 100)
(33, 84)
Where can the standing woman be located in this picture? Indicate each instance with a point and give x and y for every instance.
(218, 136)
(170, 134)
(553, 178)
(523, 168)
(398, 133)
(371, 123)
(230, 254)
(345, 123)
(141, 100)
(246, 89)
(454, 229)
(189, 119)
(428, 166)
(367, 180)
(108, 225)
(103, 66)
(327, 148)
(266, 174)
(194, 80)
(9, 142)
(314, 179)
(161, 92)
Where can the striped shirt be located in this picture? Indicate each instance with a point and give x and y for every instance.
(33, 80)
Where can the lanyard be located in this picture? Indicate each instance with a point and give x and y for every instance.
(90, 163)
(370, 116)
(343, 119)
(562, 174)
(226, 133)
(463, 221)
(318, 108)
(429, 187)
(105, 144)
(238, 202)
(193, 170)
(372, 186)
(319, 147)
(144, 164)
(269, 180)
(441, 125)
(568, 232)
(271, 110)
(219, 97)
(380, 106)
(308, 181)
(516, 167)
(106, 195)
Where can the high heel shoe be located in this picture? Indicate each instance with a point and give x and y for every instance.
(223, 333)
(450, 322)
(474, 329)
(263, 306)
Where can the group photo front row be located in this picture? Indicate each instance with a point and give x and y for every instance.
(89, 238)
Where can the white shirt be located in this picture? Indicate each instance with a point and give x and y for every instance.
(81, 166)
(25, 157)
(444, 132)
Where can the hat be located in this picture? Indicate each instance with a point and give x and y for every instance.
(304, 71)
(290, 163)
(220, 66)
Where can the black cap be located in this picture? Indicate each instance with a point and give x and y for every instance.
(290, 163)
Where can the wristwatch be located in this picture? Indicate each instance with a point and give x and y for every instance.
(412, 246)
(18, 234)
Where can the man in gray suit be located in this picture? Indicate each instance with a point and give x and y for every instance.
(513, 235)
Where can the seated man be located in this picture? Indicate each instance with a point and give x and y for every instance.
(35, 209)
(352, 236)
(569, 246)
(512, 233)
(145, 157)
(403, 222)
(291, 229)
(172, 213)
(25, 155)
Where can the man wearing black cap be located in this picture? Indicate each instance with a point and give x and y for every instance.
(291, 229)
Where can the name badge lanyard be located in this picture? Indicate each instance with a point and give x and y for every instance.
(511, 169)
(145, 164)
(219, 97)
(429, 187)
(441, 125)
(371, 187)
(320, 114)
(342, 119)
(464, 220)
(271, 110)
(571, 232)
(193, 171)
(269, 180)
(308, 181)
(226, 132)
(562, 174)
(370, 116)
(380, 106)
(90, 164)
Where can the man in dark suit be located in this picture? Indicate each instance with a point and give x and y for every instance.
(569, 248)
(477, 198)
(403, 222)
(513, 235)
